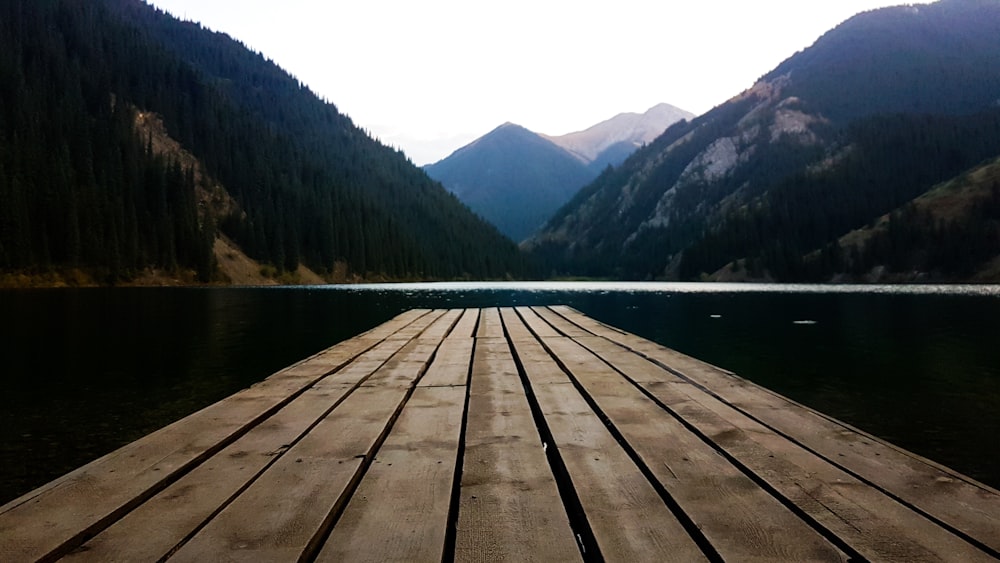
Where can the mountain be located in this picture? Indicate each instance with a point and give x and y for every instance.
(950, 232)
(611, 141)
(516, 179)
(280, 173)
(875, 113)
(512, 177)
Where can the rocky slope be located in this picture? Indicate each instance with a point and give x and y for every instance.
(875, 113)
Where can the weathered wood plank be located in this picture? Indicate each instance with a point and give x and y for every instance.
(936, 490)
(400, 510)
(56, 518)
(275, 519)
(278, 516)
(442, 326)
(510, 509)
(395, 324)
(560, 324)
(538, 326)
(873, 524)
(466, 326)
(489, 324)
(451, 364)
(630, 521)
(741, 520)
(417, 326)
(165, 520)
(516, 329)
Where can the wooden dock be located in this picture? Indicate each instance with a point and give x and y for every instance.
(527, 434)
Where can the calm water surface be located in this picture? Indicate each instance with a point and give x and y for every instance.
(86, 371)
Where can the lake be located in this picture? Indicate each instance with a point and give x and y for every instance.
(88, 370)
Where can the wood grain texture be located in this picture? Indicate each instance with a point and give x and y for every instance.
(282, 512)
(878, 527)
(510, 509)
(741, 520)
(451, 363)
(490, 325)
(943, 493)
(166, 520)
(630, 521)
(400, 510)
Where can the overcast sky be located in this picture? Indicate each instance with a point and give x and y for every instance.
(428, 76)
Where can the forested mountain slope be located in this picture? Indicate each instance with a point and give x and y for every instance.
(875, 113)
(79, 187)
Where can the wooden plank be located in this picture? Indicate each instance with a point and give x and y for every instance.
(560, 324)
(314, 365)
(398, 370)
(540, 327)
(165, 520)
(489, 324)
(441, 327)
(873, 524)
(395, 324)
(419, 325)
(630, 521)
(741, 520)
(516, 329)
(466, 326)
(510, 507)
(938, 491)
(451, 364)
(400, 510)
(278, 516)
(55, 518)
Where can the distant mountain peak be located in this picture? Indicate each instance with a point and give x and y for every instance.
(626, 131)
(517, 179)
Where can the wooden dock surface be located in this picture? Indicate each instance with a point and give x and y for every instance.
(515, 434)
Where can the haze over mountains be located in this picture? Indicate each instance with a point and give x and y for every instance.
(877, 112)
(611, 141)
(516, 178)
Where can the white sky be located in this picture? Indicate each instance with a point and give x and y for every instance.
(428, 76)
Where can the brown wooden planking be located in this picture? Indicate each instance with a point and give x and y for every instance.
(466, 326)
(451, 364)
(165, 520)
(489, 324)
(400, 510)
(417, 326)
(560, 324)
(941, 492)
(538, 326)
(516, 329)
(875, 525)
(281, 513)
(442, 326)
(510, 507)
(395, 324)
(42, 523)
(716, 406)
(630, 521)
(741, 520)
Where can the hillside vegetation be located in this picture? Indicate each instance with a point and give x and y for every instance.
(81, 188)
(877, 112)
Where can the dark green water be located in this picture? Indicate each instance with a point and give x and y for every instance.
(86, 371)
